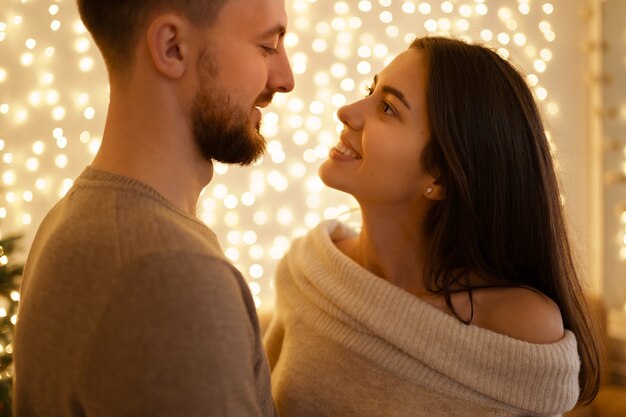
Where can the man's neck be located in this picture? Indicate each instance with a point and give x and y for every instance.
(181, 185)
(155, 146)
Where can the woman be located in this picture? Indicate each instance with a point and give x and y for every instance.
(459, 296)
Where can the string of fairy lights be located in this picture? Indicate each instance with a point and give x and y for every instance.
(619, 73)
(612, 109)
(53, 99)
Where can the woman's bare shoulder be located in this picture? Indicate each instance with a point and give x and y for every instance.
(518, 312)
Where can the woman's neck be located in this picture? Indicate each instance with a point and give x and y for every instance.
(393, 247)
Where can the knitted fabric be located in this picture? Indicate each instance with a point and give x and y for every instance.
(346, 342)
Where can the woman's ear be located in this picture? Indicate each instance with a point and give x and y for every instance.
(434, 191)
(168, 41)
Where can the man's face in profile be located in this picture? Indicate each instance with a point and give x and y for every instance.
(240, 68)
(223, 129)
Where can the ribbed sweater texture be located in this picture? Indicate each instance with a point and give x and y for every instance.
(129, 308)
(345, 342)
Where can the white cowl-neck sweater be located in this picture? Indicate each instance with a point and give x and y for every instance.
(345, 342)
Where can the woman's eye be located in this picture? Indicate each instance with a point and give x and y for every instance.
(384, 106)
(387, 109)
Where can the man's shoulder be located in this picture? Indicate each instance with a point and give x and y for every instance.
(196, 286)
(186, 270)
(103, 237)
(132, 217)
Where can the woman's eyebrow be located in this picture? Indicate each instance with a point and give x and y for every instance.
(394, 92)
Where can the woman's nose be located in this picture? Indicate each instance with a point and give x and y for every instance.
(349, 116)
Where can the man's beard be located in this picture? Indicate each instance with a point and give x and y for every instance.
(222, 131)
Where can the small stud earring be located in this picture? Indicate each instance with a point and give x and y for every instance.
(429, 190)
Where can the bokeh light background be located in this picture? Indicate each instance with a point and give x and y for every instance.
(613, 112)
(53, 100)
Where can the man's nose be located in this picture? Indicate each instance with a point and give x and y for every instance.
(281, 78)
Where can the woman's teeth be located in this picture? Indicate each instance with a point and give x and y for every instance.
(344, 150)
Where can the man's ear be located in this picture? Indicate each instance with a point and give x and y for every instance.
(168, 39)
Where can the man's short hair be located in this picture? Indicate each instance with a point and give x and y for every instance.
(115, 25)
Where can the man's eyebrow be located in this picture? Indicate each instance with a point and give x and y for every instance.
(394, 92)
(279, 30)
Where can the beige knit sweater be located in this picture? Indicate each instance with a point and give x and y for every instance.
(129, 308)
(345, 342)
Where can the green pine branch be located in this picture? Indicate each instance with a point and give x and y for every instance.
(10, 274)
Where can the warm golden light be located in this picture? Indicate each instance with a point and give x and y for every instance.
(52, 116)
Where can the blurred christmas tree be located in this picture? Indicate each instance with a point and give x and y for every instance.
(10, 275)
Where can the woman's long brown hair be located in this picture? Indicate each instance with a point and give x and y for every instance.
(502, 217)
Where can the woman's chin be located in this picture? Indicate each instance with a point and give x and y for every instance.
(329, 178)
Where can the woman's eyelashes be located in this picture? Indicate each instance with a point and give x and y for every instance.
(385, 106)
(387, 109)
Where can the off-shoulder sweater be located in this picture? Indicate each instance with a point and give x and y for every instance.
(345, 342)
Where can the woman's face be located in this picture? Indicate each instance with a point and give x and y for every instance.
(377, 159)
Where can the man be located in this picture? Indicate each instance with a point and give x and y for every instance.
(129, 307)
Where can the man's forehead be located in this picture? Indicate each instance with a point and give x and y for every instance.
(262, 9)
(265, 17)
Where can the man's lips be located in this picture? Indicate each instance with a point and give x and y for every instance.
(263, 100)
